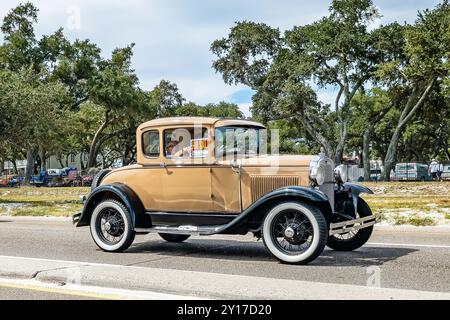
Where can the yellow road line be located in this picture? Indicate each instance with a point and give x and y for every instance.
(63, 291)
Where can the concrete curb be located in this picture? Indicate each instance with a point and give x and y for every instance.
(193, 283)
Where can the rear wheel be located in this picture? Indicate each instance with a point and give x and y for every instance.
(111, 226)
(170, 237)
(295, 232)
(354, 239)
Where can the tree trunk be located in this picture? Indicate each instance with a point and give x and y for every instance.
(29, 171)
(341, 145)
(93, 151)
(60, 162)
(2, 165)
(14, 163)
(366, 153)
(390, 154)
(82, 167)
(407, 113)
(42, 157)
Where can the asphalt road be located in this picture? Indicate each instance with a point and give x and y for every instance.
(413, 260)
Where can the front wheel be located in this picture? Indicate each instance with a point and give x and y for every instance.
(295, 232)
(111, 226)
(354, 239)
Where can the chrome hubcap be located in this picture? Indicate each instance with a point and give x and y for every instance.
(289, 233)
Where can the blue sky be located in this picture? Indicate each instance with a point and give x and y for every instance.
(173, 37)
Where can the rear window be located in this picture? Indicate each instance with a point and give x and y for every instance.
(150, 143)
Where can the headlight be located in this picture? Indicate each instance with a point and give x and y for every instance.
(317, 171)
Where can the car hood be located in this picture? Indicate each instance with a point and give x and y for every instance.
(273, 160)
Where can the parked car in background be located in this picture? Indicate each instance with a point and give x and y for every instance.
(446, 173)
(10, 181)
(411, 171)
(86, 180)
(206, 176)
(375, 175)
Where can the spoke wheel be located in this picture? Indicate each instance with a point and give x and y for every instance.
(295, 232)
(292, 232)
(354, 239)
(111, 226)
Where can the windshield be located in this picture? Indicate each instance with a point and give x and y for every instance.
(240, 141)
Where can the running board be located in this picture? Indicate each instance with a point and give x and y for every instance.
(347, 226)
(187, 230)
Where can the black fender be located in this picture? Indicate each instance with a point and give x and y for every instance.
(356, 188)
(252, 217)
(122, 193)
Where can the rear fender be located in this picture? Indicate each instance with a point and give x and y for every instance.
(122, 193)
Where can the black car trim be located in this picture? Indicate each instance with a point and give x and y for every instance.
(198, 219)
(143, 220)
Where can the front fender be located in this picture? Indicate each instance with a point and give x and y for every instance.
(256, 212)
(356, 188)
(117, 191)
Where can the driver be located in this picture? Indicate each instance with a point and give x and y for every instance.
(180, 151)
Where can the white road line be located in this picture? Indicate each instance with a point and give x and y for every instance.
(407, 245)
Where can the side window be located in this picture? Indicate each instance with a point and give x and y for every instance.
(150, 143)
(186, 142)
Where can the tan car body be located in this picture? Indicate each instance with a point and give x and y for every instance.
(179, 187)
(206, 185)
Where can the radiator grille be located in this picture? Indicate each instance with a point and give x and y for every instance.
(263, 184)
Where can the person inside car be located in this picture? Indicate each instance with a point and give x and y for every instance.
(170, 148)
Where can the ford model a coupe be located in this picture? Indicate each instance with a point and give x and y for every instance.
(205, 176)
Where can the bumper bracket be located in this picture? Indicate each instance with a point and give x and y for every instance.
(353, 225)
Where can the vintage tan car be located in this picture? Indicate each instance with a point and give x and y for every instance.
(205, 176)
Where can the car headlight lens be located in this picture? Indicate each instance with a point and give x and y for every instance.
(318, 173)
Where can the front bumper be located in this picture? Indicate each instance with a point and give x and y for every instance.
(353, 225)
(76, 217)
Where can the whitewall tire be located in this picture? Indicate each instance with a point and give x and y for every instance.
(295, 232)
(111, 226)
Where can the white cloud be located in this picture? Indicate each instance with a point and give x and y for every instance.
(245, 108)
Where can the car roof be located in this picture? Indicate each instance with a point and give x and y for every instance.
(216, 122)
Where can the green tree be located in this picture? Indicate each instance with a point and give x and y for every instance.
(337, 51)
(424, 69)
(115, 88)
